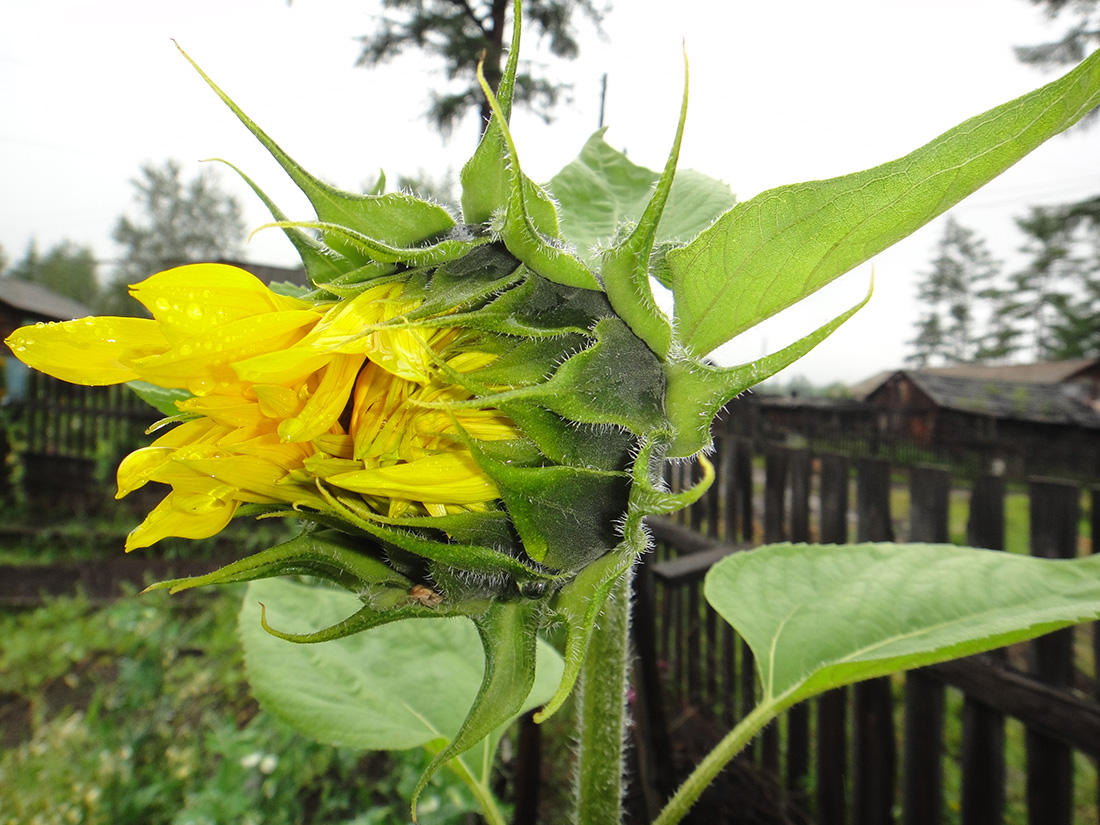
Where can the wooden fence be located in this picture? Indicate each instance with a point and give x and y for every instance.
(66, 440)
(940, 744)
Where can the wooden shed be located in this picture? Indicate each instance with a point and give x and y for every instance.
(1031, 426)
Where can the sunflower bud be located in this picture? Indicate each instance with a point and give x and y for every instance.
(472, 419)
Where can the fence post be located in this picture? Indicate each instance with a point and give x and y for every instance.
(776, 463)
(743, 475)
(983, 742)
(875, 760)
(726, 481)
(801, 470)
(1094, 538)
(700, 511)
(922, 770)
(832, 706)
(1055, 510)
(798, 717)
(651, 697)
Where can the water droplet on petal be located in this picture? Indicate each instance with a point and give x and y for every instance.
(201, 385)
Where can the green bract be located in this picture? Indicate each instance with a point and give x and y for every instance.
(603, 386)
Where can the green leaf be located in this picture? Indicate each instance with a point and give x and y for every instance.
(617, 380)
(509, 639)
(774, 250)
(402, 685)
(821, 616)
(161, 399)
(601, 189)
(489, 176)
(396, 219)
(579, 605)
(698, 390)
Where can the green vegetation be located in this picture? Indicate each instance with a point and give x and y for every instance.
(137, 712)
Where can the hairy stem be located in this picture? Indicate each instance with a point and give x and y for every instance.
(485, 799)
(714, 761)
(601, 712)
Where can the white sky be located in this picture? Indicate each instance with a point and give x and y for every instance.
(780, 92)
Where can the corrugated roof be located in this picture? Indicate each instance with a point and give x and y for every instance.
(1043, 372)
(40, 301)
(1025, 401)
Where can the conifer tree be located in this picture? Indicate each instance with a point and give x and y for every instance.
(962, 270)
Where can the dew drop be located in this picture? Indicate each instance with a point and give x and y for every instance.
(532, 589)
(194, 311)
(161, 304)
(201, 386)
(185, 350)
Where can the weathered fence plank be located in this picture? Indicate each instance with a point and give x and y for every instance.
(875, 761)
(983, 748)
(1054, 511)
(800, 469)
(922, 765)
(855, 745)
(832, 707)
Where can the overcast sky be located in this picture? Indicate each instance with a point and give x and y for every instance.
(780, 92)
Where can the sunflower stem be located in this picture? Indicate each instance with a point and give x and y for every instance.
(601, 712)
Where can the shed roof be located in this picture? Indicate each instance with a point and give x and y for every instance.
(1020, 400)
(1042, 372)
(39, 301)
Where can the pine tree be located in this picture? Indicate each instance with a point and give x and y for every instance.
(1041, 294)
(961, 270)
(463, 32)
(181, 222)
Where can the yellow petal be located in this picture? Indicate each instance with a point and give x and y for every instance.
(266, 445)
(278, 402)
(257, 480)
(337, 446)
(203, 363)
(447, 478)
(93, 351)
(193, 299)
(230, 410)
(185, 516)
(327, 402)
(139, 466)
(290, 366)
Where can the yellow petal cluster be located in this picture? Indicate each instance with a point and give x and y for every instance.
(294, 402)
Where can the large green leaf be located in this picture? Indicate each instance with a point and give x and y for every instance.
(601, 189)
(402, 685)
(821, 616)
(770, 252)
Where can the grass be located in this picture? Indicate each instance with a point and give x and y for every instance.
(138, 712)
